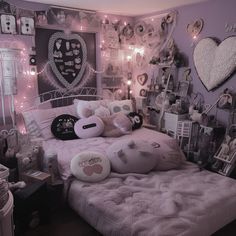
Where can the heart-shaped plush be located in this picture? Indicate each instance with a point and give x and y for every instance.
(142, 79)
(215, 63)
(67, 57)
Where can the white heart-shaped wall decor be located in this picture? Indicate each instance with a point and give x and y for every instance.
(215, 63)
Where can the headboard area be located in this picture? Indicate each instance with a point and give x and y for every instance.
(38, 114)
(59, 98)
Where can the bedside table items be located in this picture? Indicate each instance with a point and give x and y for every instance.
(187, 134)
(33, 176)
(3, 193)
(50, 166)
(170, 122)
(4, 172)
(226, 157)
(28, 158)
(6, 218)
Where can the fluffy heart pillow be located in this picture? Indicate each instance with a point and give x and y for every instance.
(132, 156)
(215, 63)
(90, 166)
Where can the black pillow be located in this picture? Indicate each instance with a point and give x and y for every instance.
(136, 119)
(62, 127)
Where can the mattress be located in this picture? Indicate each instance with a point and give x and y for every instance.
(66, 150)
(185, 202)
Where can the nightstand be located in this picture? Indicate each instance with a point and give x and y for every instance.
(31, 207)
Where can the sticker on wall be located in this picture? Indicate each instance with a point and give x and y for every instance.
(140, 28)
(143, 93)
(195, 27)
(111, 38)
(8, 24)
(27, 25)
(128, 32)
(68, 58)
(142, 79)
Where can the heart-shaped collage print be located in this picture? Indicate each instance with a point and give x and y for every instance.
(67, 57)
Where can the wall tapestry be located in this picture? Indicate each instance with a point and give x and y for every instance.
(67, 61)
(67, 56)
(215, 62)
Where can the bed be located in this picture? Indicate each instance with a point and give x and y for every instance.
(184, 201)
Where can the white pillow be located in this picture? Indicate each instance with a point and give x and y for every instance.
(85, 109)
(90, 166)
(132, 156)
(102, 112)
(124, 106)
(89, 127)
(38, 121)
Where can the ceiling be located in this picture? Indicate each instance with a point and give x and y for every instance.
(128, 7)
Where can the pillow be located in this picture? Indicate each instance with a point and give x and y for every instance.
(85, 109)
(124, 106)
(136, 119)
(62, 127)
(132, 156)
(90, 166)
(102, 112)
(116, 125)
(89, 127)
(38, 121)
(170, 155)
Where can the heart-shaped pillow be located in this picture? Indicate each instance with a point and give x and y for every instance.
(215, 63)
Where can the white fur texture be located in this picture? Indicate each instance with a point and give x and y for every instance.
(215, 63)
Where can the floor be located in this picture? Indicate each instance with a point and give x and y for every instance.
(64, 222)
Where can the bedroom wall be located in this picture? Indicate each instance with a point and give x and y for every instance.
(27, 42)
(215, 14)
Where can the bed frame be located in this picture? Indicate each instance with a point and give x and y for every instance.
(58, 98)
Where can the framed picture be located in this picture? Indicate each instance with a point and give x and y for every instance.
(183, 88)
(8, 24)
(143, 93)
(27, 25)
(41, 18)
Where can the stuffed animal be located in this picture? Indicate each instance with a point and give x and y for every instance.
(116, 125)
(136, 119)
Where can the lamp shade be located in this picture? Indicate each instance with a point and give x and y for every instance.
(9, 67)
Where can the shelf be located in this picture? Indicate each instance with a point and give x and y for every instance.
(224, 160)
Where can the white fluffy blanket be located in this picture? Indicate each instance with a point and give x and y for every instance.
(177, 202)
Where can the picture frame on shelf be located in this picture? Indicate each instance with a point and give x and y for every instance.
(41, 18)
(183, 87)
(8, 24)
(27, 25)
